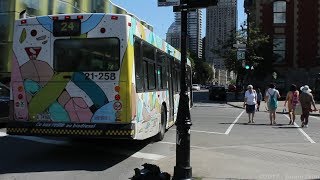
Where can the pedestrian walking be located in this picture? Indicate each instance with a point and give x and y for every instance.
(250, 101)
(259, 99)
(292, 100)
(306, 99)
(271, 99)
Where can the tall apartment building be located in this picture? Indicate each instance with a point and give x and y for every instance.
(194, 41)
(221, 21)
(173, 35)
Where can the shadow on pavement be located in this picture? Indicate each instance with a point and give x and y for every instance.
(256, 124)
(292, 127)
(19, 155)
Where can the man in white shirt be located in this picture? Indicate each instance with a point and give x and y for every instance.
(250, 101)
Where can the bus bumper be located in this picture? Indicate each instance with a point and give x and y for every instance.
(98, 130)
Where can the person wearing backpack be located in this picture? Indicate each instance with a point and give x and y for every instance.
(292, 99)
(271, 97)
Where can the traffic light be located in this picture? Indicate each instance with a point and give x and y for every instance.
(247, 66)
(201, 3)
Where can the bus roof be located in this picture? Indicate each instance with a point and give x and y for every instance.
(137, 27)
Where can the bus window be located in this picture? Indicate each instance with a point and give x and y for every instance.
(164, 75)
(71, 55)
(174, 77)
(151, 76)
(159, 77)
(145, 78)
(138, 66)
(148, 52)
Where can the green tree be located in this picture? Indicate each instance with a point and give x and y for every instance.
(202, 71)
(256, 44)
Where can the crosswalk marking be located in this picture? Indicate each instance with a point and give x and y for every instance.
(208, 132)
(2, 134)
(234, 122)
(304, 133)
(315, 117)
(149, 156)
(172, 143)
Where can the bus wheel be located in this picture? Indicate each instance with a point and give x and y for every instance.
(162, 127)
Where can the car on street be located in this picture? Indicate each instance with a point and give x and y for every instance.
(196, 87)
(4, 102)
(217, 93)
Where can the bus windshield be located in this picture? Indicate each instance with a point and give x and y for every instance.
(71, 55)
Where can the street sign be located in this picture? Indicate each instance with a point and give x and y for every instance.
(241, 54)
(168, 2)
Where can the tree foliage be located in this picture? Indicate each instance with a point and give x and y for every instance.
(255, 42)
(202, 71)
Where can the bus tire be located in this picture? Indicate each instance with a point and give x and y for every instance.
(162, 127)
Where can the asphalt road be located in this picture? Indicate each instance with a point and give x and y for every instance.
(217, 127)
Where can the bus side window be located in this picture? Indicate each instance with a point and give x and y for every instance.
(151, 76)
(145, 70)
(164, 75)
(138, 66)
(161, 70)
(159, 77)
(174, 78)
(148, 54)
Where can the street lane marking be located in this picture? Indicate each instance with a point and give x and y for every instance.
(171, 143)
(234, 122)
(36, 139)
(2, 134)
(317, 118)
(304, 133)
(41, 140)
(208, 132)
(149, 156)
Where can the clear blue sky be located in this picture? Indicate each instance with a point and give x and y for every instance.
(162, 17)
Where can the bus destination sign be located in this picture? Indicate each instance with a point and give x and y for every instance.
(70, 27)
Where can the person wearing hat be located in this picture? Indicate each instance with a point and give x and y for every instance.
(250, 101)
(306, 99)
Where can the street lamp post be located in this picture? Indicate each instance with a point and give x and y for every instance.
(183, 170)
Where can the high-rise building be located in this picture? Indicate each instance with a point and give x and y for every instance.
(221, 21)
(194, 41)
(173, 35)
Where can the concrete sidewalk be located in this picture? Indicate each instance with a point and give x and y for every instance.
(249, 162)
(281, 108)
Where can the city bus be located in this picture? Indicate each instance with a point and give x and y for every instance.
(93, 75)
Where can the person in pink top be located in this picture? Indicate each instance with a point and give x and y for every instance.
(292, 100)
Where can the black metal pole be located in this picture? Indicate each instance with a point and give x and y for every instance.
(183, 170)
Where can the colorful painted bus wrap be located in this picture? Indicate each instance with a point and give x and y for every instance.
(78, 75)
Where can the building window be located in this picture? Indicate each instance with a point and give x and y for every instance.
(279, 12)
(279, 49)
